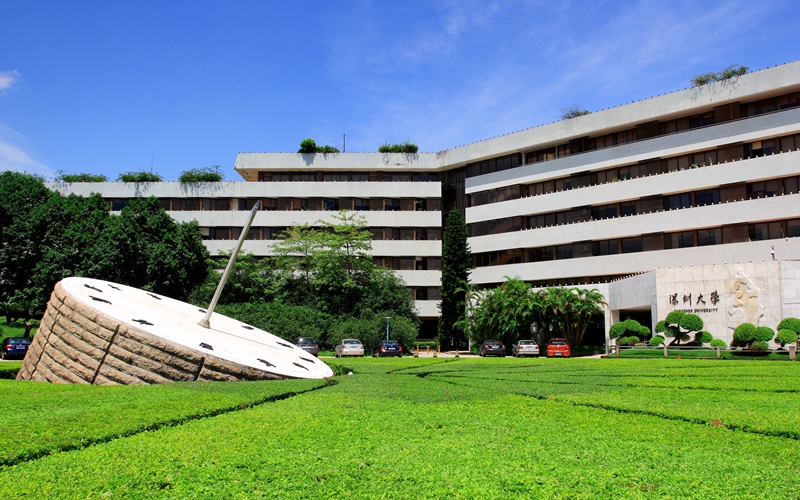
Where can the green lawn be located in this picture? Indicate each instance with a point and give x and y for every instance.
(419, 428)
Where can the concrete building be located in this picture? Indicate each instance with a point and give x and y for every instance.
(687, 200)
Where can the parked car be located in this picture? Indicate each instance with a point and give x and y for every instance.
(492, 347)
(307, 344)
(558, 347)
(525, 348)
(388, 348)
(349, 347)
(14, 348)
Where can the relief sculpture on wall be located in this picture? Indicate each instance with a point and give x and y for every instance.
(743, 305)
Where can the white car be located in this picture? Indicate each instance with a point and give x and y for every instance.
(525, 348)
(349, 347)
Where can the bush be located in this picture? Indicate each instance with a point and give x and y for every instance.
(140, 176)
(573, 111)
(759, 345)
(763, 334)
(718, 343)
(792, 324)
(703, 337)
(785, 336)
(657, 341)
(309, 146)
(62, 177)
(405, 147)
(744, 333)
(629, 327)
(205, 174)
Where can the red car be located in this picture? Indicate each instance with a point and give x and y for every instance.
(558, 347)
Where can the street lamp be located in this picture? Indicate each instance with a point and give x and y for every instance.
(387, 326)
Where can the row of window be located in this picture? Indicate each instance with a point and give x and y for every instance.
(275, 233)
(292, 204)
(736, 233)
(730, 152)
(348, 177)
(728, 193)
(642, 131)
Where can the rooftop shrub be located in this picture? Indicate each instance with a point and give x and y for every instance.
(205, 174)
(404, 147)
(82, 177)
(731, 71)
(309, 146)
(140, 176)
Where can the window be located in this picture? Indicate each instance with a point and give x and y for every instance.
(707, 197)
(632, 245)
(764, 189)
(608, 247)
(766, 231)
(330, 204)
(392, 204)
(335, 177)
(360, 204)
(707, 237)
(683, 239)
(676, 201)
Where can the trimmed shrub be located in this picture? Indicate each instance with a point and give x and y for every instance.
(763, 334)
(657, 341)
(703, 337)
(691, 322)
(141, 176)
(718, 343)
(744, 333)
(785, 336)
(759, 345)
(628, 328)
(792, 324)
(675, 317)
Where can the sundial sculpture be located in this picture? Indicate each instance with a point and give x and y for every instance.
(97, 332)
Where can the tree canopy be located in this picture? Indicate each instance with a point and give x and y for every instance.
(46, 237)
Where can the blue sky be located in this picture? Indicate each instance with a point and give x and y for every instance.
(115, 86)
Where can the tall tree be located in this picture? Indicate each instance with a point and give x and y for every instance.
(456, 266)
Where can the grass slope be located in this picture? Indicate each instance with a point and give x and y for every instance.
(501, 428)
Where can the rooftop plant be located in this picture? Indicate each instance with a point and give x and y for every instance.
(721, 75)
(309, 146)
(140, 176)
(82, 177)
(573, 111)
(205, 174)
(404, 147)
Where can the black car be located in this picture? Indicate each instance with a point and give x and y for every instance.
(492, 347)
(307, 344)
(14, 348)
(388, 348)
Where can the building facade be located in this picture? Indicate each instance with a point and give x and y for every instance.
(688, 200)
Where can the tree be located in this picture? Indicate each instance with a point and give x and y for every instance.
(456, 266)
(681, 326)
(567, 312)
(507, 312)
(785, 336)
(792, 324)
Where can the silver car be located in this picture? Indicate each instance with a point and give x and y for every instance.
(525, 348)
(349, 347)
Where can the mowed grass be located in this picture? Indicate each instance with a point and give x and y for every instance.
(468, 428)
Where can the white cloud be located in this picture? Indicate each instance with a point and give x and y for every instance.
(8, 78)
(13, 154)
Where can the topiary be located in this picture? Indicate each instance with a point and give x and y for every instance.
(703, 337)
(718, 343)
(744, 333)
(657, 341)
(792, 324)
(785, 336)
(675, 317)
(691, 323)
(759, 345)
(763, 334)
(617, 330)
